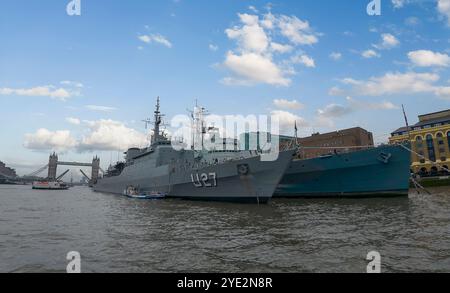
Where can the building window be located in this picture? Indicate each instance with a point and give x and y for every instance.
(440, 140)
(448, 138)
(419, 144)
(430, 146)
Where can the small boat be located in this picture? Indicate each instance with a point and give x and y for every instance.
(134, 192)
(50, 185)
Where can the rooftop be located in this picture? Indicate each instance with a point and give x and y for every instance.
(431, 119)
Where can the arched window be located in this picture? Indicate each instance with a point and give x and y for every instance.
(430, 146)
(419, 143)
(448, 139)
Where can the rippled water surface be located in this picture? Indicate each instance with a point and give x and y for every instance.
(117, 234)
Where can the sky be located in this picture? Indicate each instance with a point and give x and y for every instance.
(81, 85)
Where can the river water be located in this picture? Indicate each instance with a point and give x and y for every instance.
(116, 234)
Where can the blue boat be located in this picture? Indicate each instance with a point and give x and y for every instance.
(377, 172)
(134, 192)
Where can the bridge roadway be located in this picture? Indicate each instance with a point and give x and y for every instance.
(74, 164)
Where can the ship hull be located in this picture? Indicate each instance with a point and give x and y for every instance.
(378, 172)
(244, 181)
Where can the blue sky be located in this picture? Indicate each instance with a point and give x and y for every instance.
(80, 85)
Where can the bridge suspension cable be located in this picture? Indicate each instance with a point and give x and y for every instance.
(37, 171)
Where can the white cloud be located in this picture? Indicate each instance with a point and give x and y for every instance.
(253, 9)
(145, 39)
(297, 31)
(256, 57)
(109, 135)
(253, 67)
(444, 9)
(368, 54)
(101, 135)
(157, 38)
(398, 3)
(251, 36)
(326, 116)
(334, 110)
(287, 121)
(213, 47)
(100, 108)
(40, 91)
(335, 56)
(412, 21)
(443, 92)
(303, 59)
(388, 41)
(393, 83)
(286, 104)
(281, 48)
(268, 21)
(363, 105)
(44, 140)
(336, 91)
(72, 83)
(231, 81)
(74, 121)
(427, 58)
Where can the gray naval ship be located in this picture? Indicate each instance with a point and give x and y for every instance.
(160, 169)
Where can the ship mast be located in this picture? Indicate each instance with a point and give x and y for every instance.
(158, 120)
(198, 126)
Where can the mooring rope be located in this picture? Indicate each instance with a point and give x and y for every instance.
(416, 183)
(423, 157)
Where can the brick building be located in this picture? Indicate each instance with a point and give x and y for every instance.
(323, 144)
(348, 138)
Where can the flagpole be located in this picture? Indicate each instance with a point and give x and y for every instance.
(407, 124)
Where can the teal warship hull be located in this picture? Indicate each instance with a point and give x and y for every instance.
(377, 172)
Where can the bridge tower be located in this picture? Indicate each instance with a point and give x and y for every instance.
(52, 166)
(95, 169)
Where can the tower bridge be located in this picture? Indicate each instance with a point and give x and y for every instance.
(54, 162)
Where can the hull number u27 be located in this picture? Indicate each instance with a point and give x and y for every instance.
(204, 180)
